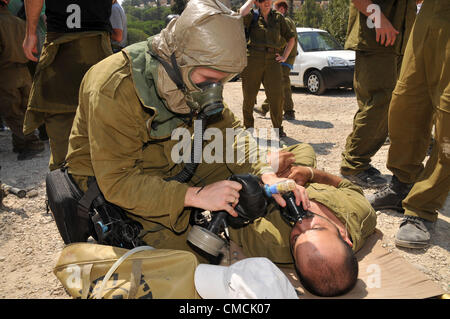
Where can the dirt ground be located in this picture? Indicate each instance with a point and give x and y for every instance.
(30, 243)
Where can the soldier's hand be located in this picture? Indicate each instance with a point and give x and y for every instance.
(299, 191)
(223, 195)
(386, 34)
(300, 174)
(280, 58)
(281, 161)
(30, 47)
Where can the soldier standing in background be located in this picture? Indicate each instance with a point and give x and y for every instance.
(15, 83)
(420, 99)
(266, 52)
(288, 105)
(78, 36)
(379, 50)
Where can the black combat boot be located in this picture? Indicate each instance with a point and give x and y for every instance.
(391, 196)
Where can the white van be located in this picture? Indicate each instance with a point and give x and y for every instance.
(321, 63)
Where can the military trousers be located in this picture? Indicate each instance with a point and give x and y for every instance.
(14, 91)
(58, 126)
(262, 68)
(374, 80)
(422, 98)
(287, 103)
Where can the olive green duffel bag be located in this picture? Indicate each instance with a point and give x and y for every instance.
(89, 270)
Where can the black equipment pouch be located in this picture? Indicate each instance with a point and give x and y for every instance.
(63, 195)
(111, 224)
(80, 215)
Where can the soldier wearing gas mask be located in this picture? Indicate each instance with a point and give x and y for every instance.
(131, 103)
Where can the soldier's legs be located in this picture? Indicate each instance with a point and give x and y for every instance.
(13, 106)
(421, 94)
(58, 128)
(375, 78)
(251, 77)
(433, 65)
(287, 103)
(274, 91)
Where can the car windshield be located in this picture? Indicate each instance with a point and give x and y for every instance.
(317, 41)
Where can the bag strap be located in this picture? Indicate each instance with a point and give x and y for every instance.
(136, 271)
(84, 204)
(86, 280)
(117, 264)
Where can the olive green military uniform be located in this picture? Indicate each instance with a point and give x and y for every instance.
(287, 104)
(421, 94)
(64, 60)
(111, 127)
(15, 81)
(265, 40)
(376, 72)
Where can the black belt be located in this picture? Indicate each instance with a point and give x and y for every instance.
(265, 49)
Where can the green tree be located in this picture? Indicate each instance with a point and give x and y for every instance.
(335, 19)
(310, 15)
(178, 6)
(136, 35)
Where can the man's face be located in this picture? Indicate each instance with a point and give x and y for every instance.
(316, 229)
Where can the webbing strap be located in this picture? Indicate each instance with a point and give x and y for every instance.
(136, 271)
(84, 204)
(172, 70)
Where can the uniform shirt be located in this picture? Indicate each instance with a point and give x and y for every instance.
(110, 130)
(348, 203)
(293, 28)
(12, 33)
(78, 15)
(273, 34)
(401, 14)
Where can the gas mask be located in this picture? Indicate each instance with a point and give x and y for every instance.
(209, 100)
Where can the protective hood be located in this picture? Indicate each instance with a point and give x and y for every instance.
(207, 34)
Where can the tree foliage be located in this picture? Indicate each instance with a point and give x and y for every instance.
(310, 15)
(144, 21)
(333, 17)
(178, 6)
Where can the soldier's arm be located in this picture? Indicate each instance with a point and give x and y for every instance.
(385, 32)
(246, 7)
(302, 175)
(33, 11)
(287, 50)
(289, 36)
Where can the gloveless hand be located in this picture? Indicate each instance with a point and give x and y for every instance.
(299, 192)
(223, 195)
(30, 47)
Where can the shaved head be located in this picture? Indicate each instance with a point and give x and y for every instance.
(325, 263)
(326, 269)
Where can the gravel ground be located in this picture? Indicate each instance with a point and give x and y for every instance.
(30, 243)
